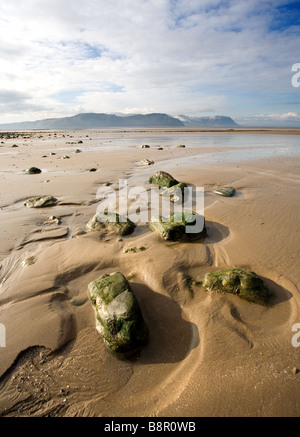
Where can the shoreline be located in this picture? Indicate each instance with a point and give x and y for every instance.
(192, 129)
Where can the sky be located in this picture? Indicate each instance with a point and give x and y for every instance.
(237, 58)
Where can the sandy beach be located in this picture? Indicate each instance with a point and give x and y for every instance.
(209, 354)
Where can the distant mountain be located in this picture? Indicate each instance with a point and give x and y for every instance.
(211, 121)
(99, 121)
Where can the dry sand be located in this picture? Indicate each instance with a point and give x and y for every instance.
(209, 354)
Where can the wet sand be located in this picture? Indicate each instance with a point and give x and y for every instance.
(209, 354)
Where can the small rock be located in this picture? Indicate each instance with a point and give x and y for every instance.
(65, 157)
(147, 162)
(29, 261)
(145, 146)
(180, 146)
(225, 191)
(295, 370)
(53, 220)
(135, 249)
(92, 169)
(111, 222)
(162, 178)
(33, 170)
(40, 202)
(42, 357)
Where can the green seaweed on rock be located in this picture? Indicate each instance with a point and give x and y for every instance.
(163, 179)
(174, 228)
(112, 222)
(119, 319)
(241, 282)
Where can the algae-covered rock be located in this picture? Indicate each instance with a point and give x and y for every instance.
(244, 283)
(33, 170)
(119, 319)
(163, 179)
(225, 191)
(135, 249)
(111, 222)
(174, 228)
(29, 261)
(41, 202)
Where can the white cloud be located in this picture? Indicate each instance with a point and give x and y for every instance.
(290, 115)
(290, 119)
(172, 56)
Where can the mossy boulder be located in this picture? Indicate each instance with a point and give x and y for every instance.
(119, 319)
(41, 202)
(111, 222)
(174, 228)
(242, 282)
(33, 170)
(163, 179)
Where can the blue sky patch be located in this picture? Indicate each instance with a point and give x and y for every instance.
(286, 16)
